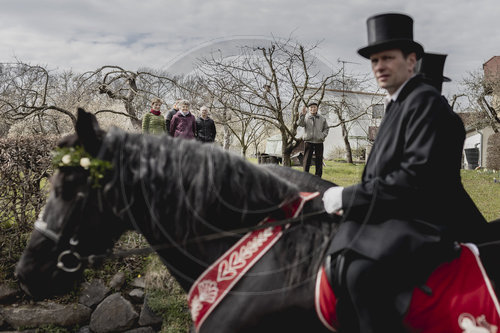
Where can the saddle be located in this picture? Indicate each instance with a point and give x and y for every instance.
(458, 297)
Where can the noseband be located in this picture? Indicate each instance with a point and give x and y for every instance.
(69, 260)
(65, 256)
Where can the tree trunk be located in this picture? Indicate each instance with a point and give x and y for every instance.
(348, 150)
(129, 106)
(136, 123)
(286, 150)
(226, 140)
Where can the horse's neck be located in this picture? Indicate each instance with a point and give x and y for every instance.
(195, 195)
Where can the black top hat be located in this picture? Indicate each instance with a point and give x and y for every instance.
(430, 67)
(390, 31)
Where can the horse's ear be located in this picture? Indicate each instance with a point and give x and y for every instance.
(89, 133)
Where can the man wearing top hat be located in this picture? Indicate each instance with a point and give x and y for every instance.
(430, 67)
(400, 222)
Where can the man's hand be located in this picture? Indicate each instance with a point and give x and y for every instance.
(304, 109)
(332, 200)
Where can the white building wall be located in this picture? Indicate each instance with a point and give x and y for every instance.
(358, 102)
(478, 139)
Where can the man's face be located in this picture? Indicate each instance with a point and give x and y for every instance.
(204, 113)
(184, 108)
(313, 109)
(392, 69)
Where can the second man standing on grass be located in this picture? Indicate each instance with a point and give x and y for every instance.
(315, 132)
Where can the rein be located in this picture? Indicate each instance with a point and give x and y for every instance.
(75, 261)
(92, 259)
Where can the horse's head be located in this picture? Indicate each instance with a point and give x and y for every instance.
(75, 224)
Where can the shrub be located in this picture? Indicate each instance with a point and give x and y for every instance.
(25, 166)
(493, 160)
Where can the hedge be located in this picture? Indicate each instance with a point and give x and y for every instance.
(25, 168)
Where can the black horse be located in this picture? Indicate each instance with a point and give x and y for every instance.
(187, 199)
(176, 192)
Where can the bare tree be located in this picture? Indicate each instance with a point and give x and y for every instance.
(132, 88)
(30, 92)
(344, 101)
(483, 97)
(267, 83)
(246, 129)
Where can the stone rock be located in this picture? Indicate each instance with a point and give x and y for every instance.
(137, 295)
(138, 282)
(2, 321)
(7, 293)
(93, 293)
(141, 330)
(148, 317)
(46, 313)
(114, 314)
(84, 329)
(117, 281)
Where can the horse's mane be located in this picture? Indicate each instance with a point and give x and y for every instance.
(188, 183)
(307, 242)
(180, 189)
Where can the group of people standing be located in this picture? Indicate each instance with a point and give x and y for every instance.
(179, 122)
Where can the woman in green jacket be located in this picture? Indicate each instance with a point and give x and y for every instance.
(153, 122)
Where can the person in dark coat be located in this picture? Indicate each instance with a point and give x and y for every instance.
(400, 222)
(205, 126)
(171, 114)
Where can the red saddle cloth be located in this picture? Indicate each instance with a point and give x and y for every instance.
(462, 299)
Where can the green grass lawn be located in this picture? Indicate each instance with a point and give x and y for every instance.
(484, 191)
(479, 184)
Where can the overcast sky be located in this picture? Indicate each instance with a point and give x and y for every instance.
(84, 35)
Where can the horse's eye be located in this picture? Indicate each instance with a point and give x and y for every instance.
(70, 185)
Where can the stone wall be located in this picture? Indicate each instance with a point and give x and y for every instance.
(116, 307)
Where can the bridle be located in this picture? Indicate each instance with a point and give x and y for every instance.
(69, 260)
(72, 256)
(64, 256)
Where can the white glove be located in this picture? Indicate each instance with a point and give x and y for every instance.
(332, 199)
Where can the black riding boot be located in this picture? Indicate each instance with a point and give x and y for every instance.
(366, 297)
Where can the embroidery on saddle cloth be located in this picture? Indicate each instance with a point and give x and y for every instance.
(218, 279)
(462, 299)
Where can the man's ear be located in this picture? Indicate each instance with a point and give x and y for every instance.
(411, 60)
(88, 131)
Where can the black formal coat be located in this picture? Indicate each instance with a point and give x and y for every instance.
(411, 196)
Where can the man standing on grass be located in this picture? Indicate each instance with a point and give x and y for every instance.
(401, 220)
(315, 132)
